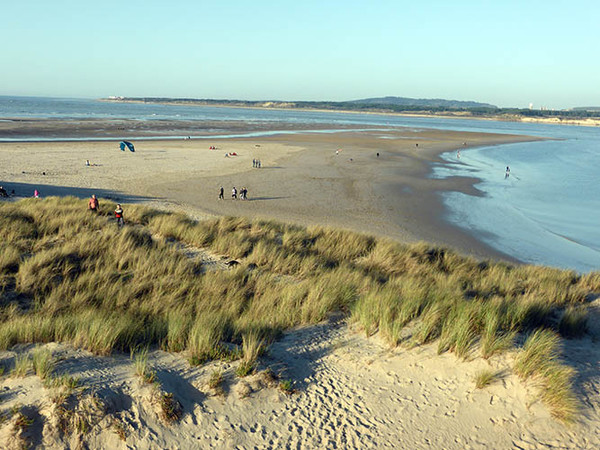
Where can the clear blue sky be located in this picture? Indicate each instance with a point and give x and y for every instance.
(508, 53)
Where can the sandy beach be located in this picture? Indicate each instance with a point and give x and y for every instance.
(333, 179)
(350, 391)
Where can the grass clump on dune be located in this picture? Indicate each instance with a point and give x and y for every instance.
(539, 359)
(76, 277)
(484, 378)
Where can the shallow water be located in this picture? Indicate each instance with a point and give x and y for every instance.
(548, 209)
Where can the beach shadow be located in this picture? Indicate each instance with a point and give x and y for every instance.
(185, 392)
(583, 354)
(26, 190)
(35, 431)
(258, 199)
(299, 354)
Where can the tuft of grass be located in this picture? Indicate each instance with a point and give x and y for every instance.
(539, 359)
(170, 409)
(540, 349)
(253, 346)
(245, 368)
(573, 322)
(142, 368)
(43, 363)
(20, 426)
(119, 428)
(21, 367)
(64, 382)
(215, 382)
(287, 386)
(205, 336)
(484, 378)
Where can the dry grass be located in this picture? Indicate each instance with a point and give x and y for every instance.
(170, 408)
(72, 277)
(43, 363)
(539, 359)
(484, 378)
(215, 382)
(142, 368)
(573, 322)
(21, 367)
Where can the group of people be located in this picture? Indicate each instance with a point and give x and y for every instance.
(234, 193)
(94, 206)
(3, 192)
(256, 163)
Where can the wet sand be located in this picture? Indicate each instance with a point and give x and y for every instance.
(302, 179)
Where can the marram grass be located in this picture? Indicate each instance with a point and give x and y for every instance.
(72, 276)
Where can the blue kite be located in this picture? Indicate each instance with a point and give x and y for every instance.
(127, 144)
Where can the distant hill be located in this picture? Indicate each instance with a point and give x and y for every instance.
(423, 102)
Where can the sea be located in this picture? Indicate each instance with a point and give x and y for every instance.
(547, 211)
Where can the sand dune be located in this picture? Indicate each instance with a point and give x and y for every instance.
(351, 392)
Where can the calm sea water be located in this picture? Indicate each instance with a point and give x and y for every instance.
(546, 212)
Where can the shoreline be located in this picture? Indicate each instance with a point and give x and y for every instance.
(302, 181)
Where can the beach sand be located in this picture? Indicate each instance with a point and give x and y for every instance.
(302, 179)
(351, 391)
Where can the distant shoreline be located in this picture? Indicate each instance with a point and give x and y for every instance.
(586, 122)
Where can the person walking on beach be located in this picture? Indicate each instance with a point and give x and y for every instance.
(234, 193)
(94, 204)
(221, 197)
(119, 215)
(507, 174)
(36, 194)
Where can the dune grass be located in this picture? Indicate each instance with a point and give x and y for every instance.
(75, 277)
(142, 368)
(484, 378)
(43, 363)
(215, 382)
(539, 359)
(21, 367)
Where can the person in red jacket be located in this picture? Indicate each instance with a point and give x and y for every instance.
(119, 215)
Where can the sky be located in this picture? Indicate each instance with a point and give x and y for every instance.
(508, 53)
